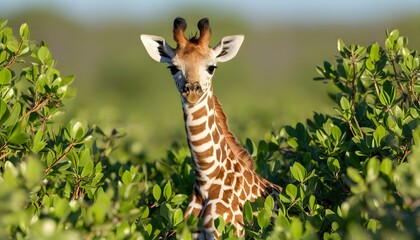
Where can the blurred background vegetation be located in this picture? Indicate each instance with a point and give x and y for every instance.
(269, 83)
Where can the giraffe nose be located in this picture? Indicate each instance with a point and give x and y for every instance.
(192, 92)
(192, 87)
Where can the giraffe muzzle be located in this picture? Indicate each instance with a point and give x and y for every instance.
(192, 92)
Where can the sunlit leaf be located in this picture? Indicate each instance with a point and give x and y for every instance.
(178, 217)
(167, 191)
(354, 175)
(88, 169)
(374, 52)
(291, 191)
(126, 177)
(263, 218)
(340, 45)
(43, 54)
(248, 212)
(5, 76)
(298, 172)
(24, 31)
(157, 191)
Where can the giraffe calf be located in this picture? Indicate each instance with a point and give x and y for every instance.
(224, 170)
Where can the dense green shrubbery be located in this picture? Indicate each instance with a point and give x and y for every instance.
(355, 174)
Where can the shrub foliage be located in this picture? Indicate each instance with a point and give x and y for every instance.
(355, 174)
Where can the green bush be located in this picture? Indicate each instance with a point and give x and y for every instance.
(352, 175)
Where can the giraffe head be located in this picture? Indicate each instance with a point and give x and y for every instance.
(192, 63)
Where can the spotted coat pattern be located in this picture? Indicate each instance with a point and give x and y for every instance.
(225, 176)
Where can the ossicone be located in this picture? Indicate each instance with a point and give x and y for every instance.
(180, 25)
(205, 31)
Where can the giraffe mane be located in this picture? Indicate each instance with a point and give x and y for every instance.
(236, 147)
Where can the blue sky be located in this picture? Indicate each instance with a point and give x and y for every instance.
(297, 11)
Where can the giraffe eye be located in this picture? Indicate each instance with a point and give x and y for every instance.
(210, 69)
(173, 69)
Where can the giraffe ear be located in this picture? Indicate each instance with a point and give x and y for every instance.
(157, 48)
(228, 47)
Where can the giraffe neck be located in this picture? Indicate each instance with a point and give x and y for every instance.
(204, 137)
(225, 176)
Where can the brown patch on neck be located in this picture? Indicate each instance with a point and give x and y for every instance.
(199, 113)
(240, 152)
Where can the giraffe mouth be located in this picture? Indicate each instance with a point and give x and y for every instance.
(192, 92)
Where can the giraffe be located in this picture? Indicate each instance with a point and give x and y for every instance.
(224, 170)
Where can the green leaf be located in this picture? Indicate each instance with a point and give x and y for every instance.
(333, 165)
(370, 65)
(9, 93)
(179, 199)
(3, 23)
(282, 221)
(77, 131)
(248, 212)
(126, 177)
(387, 94)
(167, 191)
(220, 224)
(145, 211)
(336, 133)
(84, 157)
(157, 191)
(394, 34)
(354, 175)
(388, 44)
(61, 207)
(292, 142)
(34, 172)
(386, 167)
(44, 54)
(291, 191)
(263, 218)
(344, 103)
(97, 178)
(379, 134)
(296, 228)
(5, 76)
(18, 136)
(311, 203)
(373, 225)
(4, 111)
(13, 46)
(24, 31)
(340, 45)
(372, 169)
(269, 203)
(14, 115)
(298, 172)
(38, 142)
(101, 206)
(88, 169)
(67, 80)
(178, 217)
(149, 229)
(374, 52)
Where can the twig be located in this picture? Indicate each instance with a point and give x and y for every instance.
(395, 75)
(69, 148)
(5, 154)
(3, 147)
(36, 108)
(77, 190)
(13, 59)
(353, 96)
